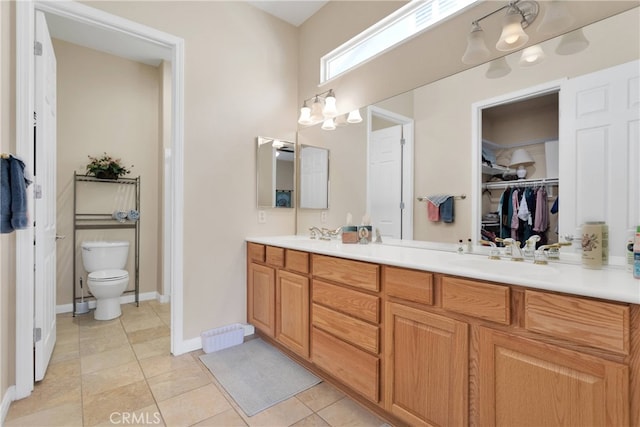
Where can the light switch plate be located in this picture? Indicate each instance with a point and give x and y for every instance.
(262, 217)
(323, 217)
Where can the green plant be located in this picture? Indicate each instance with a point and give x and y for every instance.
(106, 167)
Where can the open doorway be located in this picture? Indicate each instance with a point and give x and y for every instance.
(516, 147)
(99, 24)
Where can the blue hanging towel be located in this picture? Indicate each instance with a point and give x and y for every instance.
(446, 210)
(13, 195)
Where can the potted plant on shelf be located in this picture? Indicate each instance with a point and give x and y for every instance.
(106, 167)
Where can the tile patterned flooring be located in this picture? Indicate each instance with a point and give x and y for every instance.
(120, 372)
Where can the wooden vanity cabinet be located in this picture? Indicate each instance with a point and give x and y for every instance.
(345, 323)
(261, 308)
(278, 295)
(426, 372)
(436, 349)
(528, 382)
(292, 312)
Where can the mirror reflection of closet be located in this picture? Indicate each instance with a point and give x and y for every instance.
(520, 153)
(275, 171)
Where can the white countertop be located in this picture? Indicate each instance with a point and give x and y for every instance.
(610, 283)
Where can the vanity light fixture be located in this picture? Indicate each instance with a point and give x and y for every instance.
(572, 42)
(519, 15)
(531, 56)
(521, 158)
(556, 18)
(513, 35)
(498, 68)
(477, 50)
(329, 124)
(322, 108)
(354, 116)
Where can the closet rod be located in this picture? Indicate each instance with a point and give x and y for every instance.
(520, 183)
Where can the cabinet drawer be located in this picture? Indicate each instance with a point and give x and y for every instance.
(357, 304)
(594, 323)
(483, 300)
(255, 252)
(297, 261)
(411, 285)
(347, 328)
(352, 273)
(348, 364)
(275, 256)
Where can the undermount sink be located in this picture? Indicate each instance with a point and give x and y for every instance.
(506, 266)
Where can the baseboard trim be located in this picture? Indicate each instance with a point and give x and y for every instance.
(163, 299)
(8, 397)
(124, 299)
(187, 346)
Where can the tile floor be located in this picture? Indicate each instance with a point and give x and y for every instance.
(120, 372)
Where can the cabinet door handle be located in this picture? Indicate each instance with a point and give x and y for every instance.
(60, 236)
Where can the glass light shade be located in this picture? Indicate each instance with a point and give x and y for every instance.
(305, 116)
(477, 50)
(572, 42)
(340, 120)
(556, 18)
(354, 116)
(498, 68)
(328, 124)
(531, 56)
(513, 36)
(316, 111)
(330, 109)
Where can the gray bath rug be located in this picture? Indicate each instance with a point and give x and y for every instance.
(257, 375)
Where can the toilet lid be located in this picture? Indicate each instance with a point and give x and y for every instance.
(108, 275)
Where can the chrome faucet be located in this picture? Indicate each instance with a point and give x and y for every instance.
(541, 256)
(316, 232)
(516, 251)
(494, 252)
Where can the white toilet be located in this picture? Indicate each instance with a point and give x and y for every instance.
(105, 262)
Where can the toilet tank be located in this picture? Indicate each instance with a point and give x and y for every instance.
(104, 255)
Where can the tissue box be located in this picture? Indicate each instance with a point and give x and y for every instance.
(365, 231)
(223, 337)
(350, 234)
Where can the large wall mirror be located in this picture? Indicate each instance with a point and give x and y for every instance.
(314, 177)
(275, 171)
(448, 139)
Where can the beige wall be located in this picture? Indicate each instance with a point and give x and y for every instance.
(7, 241)
(240, 82)
(107, 104)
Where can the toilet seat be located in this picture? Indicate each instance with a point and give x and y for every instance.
(105, 276)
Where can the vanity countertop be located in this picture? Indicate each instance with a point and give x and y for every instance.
(610, 283)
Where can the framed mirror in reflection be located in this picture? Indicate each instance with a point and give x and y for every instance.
(314, 177)
(275, 172)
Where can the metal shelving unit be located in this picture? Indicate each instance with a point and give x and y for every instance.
(105, 221)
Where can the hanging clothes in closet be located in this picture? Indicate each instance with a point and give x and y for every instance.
(13, 194)
(524, 212)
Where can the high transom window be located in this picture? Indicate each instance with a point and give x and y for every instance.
(409, 20)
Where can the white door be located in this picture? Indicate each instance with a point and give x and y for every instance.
(314, 176)
(600, 152)
(45, 198)
(385, 180)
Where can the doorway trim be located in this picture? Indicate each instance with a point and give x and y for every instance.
(476, 140)
(407, 163)
(174, 169)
